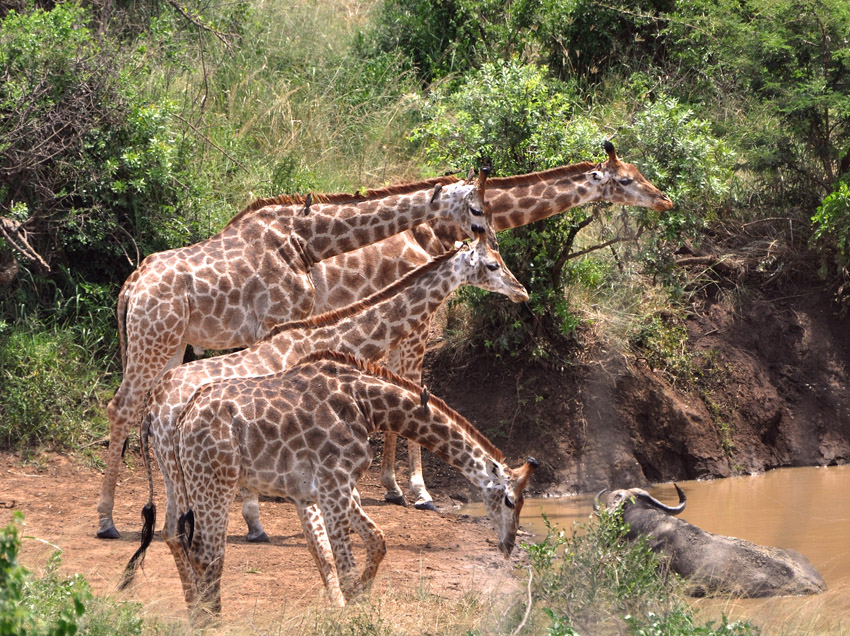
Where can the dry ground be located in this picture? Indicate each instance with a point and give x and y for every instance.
(445, 553)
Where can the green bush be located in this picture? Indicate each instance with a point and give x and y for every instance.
(53, 388)
(54, 605)
(512, 117)
(595, 581)
(832, 228)
(681, 155)
(776, 75)
(104, 182)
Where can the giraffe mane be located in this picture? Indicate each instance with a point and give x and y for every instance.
(523, 179)
(335, 315)
(383, 373)
(343, 197)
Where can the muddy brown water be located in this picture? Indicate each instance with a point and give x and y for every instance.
(806, 509)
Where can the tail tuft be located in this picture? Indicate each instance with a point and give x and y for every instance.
(149, 517)
(186, 534)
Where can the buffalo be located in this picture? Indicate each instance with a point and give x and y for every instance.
(711, 564)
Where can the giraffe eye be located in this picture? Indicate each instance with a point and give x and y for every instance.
(626, 181)
(492, 266)
(475, 211)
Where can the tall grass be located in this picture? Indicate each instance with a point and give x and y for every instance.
(296, 106)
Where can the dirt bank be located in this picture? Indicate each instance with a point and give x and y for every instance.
(770, 391)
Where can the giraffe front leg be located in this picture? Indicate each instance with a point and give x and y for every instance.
(393, 493)
(406, 360)
(335, 507)
(320, 548)
(251, 515)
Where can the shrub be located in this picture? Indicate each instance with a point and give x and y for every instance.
(53, 389)
(104, 179)
(831, 234)
(54, 605)
(511, 116)
(595, 581)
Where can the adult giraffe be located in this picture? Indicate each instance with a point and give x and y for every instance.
(303, 434)
(511, 202)
(231, 289)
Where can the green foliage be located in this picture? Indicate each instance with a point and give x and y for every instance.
(105, 179)
(53, 605)
(512, 117)
(590, 40)
(598, 582)
(680, 154)
(448, 37)
(53, 388)
(663, 343)
(832, 225)
(776, 74)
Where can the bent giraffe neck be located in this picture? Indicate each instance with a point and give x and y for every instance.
(436, 427)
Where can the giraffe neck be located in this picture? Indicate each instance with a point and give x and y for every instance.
(393, 405)
(336, 224)
(526, 198)
(377, 324)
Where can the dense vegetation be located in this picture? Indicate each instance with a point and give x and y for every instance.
(127, 128)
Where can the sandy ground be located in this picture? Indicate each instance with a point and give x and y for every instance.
(447, 552)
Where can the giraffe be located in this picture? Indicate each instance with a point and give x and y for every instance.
(231, 289)
(303, 434)
(367, 329)
(512, 202)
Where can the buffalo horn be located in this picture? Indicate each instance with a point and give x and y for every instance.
(673, 510)
(596, 499)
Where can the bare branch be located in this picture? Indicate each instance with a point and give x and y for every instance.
(194, 20)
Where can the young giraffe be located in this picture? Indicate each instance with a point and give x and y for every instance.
(512, 202)
(304, 434)
(230, 290)
(367, 329)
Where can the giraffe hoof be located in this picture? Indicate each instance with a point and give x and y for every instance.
(108, 533)
(259, 538)
(398, 500)
(425, 505)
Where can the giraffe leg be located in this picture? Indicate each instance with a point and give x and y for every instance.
(320, 547)
(406, 360)
(122, 412)
(335, 505)
(210, 493)
(173, 503)
(393, 493)
(251, 515)
(373, 538)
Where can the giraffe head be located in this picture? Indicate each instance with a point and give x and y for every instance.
(483, 267)
(472, 215)
(621, 182)
(503, 499)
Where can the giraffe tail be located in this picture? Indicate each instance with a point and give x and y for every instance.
(186, 533)
(148, 513)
